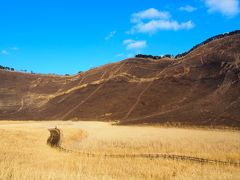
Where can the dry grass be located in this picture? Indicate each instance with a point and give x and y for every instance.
(25, 155)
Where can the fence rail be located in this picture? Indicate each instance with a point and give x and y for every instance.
(156, 156)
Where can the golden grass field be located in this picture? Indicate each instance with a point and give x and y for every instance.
(25, 155)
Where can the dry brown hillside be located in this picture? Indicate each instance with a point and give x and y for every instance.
(201, 88)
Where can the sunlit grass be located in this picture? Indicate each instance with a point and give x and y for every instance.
(25, 155)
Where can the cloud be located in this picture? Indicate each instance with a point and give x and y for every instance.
(153, 26)
(149, 14)
(4, 52)
(187, 8)
(152, 20)
(110, 35)
(226, 7)
(128, 41)
(134, 45)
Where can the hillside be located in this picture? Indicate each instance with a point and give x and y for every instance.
(200, 88)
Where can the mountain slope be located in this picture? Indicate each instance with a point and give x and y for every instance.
(200, 88)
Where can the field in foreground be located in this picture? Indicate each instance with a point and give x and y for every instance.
(25, 155)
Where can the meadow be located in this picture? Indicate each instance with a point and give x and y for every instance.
(24, 153)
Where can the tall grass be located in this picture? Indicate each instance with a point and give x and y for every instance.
(25, 155)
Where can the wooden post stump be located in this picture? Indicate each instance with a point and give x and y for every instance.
(55, 137)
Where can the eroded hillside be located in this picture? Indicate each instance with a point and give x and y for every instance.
(201, 88)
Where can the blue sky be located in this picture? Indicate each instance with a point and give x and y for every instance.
(67, 36)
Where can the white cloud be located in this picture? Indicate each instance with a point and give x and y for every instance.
(152, 20)
(187, 8)
(4, 52)
(149, 14)
(110, 35)
(128, 41)
(134, 45)
(153, 26)
(226, 7)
